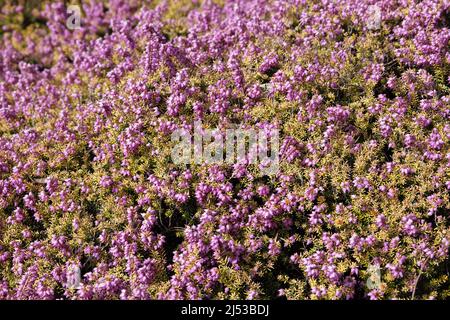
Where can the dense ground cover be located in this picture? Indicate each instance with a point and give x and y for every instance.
(358, 209)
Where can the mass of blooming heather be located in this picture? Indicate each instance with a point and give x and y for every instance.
(92, 205)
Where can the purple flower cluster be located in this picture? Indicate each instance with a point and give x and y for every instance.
(92, 207)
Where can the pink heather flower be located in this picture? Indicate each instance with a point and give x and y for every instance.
(381, 221)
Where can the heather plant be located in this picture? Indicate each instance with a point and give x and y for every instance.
(93, 205)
